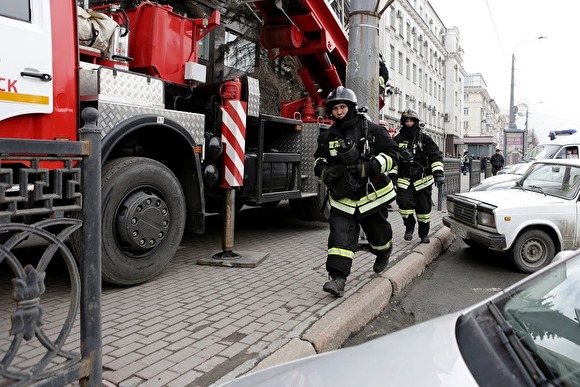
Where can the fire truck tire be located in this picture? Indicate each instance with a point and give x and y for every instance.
(143, 219)
(309, 209)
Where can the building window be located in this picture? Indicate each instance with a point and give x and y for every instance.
(465, 111)
(392, 102)
(400, 99)
(393, 57)
(421, 78)
(408, 33)
(408, 68)
(400, 62)
(414, 73)
(401, 26)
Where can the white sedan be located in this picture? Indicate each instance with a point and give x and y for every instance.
(532, 221)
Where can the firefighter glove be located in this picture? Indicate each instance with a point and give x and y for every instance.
(439, 181)
(364, 169)
(330, 176)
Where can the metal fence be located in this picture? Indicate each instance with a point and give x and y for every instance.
(46, 188)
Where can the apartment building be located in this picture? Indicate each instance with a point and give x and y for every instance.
(483, 122)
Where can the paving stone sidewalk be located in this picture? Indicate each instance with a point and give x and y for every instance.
(198, 325)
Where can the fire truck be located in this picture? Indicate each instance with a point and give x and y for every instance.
(173, 141)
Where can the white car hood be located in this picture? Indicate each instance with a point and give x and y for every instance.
(504, 181)
(421, 355)
(507, 198)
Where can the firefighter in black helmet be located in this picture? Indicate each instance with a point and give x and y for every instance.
(353, 159)
(420, 165)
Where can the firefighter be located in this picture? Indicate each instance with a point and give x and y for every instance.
(420, 164)
(353, 159)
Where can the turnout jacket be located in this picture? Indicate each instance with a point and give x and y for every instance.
(420, 160)
(373, 192)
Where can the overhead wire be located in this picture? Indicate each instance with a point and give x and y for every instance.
(496, 32)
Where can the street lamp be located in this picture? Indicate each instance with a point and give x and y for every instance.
(512, 124)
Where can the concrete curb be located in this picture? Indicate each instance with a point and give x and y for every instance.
(361, 307)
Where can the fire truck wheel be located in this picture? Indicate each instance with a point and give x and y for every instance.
(143, 215)
(309, 209)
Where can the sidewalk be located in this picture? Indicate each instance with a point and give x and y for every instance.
(199, 325)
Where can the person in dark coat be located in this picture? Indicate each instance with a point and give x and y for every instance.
(496, 161)
(420, 165)
(353, 158)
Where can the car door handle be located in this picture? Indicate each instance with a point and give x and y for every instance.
(42, 77)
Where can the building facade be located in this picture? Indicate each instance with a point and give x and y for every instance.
(483, 123)
(426, 72)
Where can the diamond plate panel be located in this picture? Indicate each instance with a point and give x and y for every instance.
(88, 82)
(310, 134)
(253, 97)
(110, 114)
(130, 88)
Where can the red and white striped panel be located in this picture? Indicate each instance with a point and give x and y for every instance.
(234, 141)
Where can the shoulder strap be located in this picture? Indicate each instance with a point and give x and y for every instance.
(365, 140)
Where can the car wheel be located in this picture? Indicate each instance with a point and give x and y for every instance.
(533, 250)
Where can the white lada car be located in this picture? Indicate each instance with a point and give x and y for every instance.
(532, 221)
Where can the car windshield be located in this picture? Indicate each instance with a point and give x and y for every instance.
(542, 152)
(552, 179)
(545, 315)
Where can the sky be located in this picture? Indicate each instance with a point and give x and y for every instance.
(546, 71)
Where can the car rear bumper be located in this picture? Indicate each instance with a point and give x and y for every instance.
(468, 232)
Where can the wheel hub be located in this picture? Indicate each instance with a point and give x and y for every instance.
(142, 222)
(533, 252)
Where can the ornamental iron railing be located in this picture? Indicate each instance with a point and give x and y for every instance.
(47, 188)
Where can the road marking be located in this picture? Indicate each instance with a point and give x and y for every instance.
(486, 290)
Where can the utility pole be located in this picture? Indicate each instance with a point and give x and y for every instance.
(362, 70)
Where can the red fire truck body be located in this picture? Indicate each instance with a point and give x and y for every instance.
(164, 151)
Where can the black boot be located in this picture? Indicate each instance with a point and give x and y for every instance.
(409, 223)
(335, 286)
(423, 232)
(382, 261)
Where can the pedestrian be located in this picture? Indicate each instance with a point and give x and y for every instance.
(420, 164)
(483, 164)
(353, 158)
(465, 162)
(496, 161)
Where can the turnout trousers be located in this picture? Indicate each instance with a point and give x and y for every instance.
(344, 236)
(411, 201)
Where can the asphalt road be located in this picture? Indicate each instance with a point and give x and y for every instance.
(460, 277)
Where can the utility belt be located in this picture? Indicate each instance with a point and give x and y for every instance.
(416, 171)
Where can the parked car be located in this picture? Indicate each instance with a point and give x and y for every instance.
(538, 217)
(559, 145)
(503, 180)
(526, 335)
